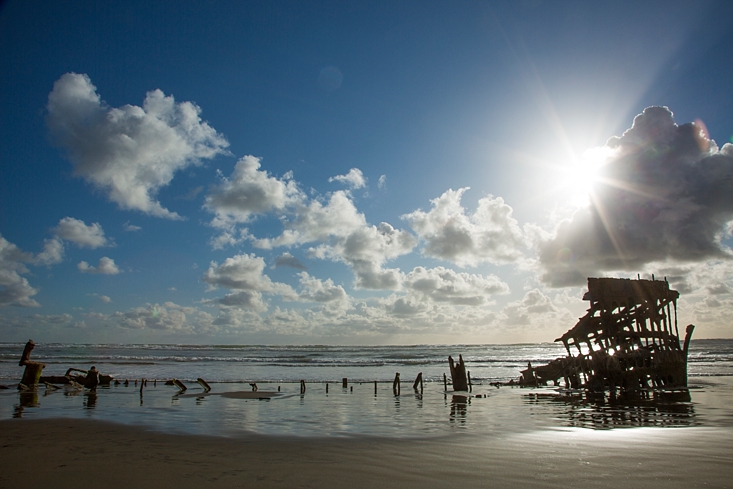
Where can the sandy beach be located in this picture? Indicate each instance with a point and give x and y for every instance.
(79, 453)
(125, 436)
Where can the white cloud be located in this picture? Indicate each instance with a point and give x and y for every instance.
(317, 222)
(490, 234)
(365, 250)
(52, 319)
(131, 227)
(106, 266)
(315, 290)
(666, 194)
(128, 152)
(354, 179)
(346, 237)
(243, 274)
(250, 191)
(14, 289)
(168, 317)
(102, 298)
(53, 252)
(74, 230)
(244, 299)
(535, 309)
(382, 181)
(445, 285)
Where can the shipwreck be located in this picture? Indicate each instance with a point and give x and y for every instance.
(628, 340)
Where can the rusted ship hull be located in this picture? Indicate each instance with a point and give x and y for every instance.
(629, 339)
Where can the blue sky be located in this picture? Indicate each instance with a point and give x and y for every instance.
(358, 172)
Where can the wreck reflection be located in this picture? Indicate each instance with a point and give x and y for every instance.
(27, 399)
(603, 411)
(459, 408)
(90, 400)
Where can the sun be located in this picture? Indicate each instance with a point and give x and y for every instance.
(582, 174)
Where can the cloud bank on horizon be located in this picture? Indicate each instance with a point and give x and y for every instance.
(662, 200)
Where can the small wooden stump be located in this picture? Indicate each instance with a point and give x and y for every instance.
(204, 384)
(418, 381)
(396, 384)
(302, 387)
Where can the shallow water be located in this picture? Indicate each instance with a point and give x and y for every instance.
(357, 410)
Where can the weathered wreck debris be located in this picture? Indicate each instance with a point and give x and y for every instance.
(629, 339)
(458, 374)
(204, 384)
(84, 377)
(33, 370)
(396, 384)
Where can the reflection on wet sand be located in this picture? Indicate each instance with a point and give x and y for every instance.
(601, 411)
(27, 399)
(459, 408)
(90, 399)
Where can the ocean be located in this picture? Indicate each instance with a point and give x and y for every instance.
(253, 363)
(363, 408)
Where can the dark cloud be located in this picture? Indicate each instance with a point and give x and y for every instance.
(288, 260)
(666, 193)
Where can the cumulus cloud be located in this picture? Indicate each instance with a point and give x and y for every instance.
(106, 266)
(315, 290)
(53, 252)
(288, 260)
(665, 194)
(128, 152)
(168, 317)
(14, 289)
(345, 236)
(448, 286)
(249, 191)
(523, 312)
(382, 181)
(719, 289)
(243, 274)
(314, 221)
(354, 179)
(74, 230)
(365, 250)
(490, 234)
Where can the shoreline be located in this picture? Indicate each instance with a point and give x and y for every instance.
(64, 452)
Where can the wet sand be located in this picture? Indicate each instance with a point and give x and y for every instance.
(86, 453)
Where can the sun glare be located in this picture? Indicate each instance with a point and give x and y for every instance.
(583, 173)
